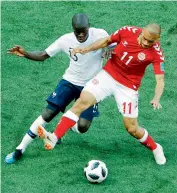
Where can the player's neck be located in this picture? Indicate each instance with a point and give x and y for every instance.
(139, 40)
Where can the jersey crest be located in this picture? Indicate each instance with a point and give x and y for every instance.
(141, 56)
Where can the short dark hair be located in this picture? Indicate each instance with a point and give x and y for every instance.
(80, 20)
(153, 28)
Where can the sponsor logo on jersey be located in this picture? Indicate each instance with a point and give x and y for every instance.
(134, 87)
(125, 43)
(141, 56)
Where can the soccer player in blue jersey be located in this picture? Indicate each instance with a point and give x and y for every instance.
(81, 69)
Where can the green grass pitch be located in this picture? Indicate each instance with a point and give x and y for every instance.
(26, 84)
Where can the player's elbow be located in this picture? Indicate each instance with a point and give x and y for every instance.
(43, 56)
(107, 41)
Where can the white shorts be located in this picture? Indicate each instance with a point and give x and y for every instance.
(103, 85)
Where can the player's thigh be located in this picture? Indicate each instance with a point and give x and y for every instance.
(127, 101)
(62, 96)
(100, 86)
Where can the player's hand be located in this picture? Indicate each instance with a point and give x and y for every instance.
(16, 50)
(155, 104)
(79, 50)
(107, 54)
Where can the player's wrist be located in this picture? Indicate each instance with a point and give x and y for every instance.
(156, 98)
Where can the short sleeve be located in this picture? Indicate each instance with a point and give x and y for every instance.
(102, 33)
(124, 32)
(158, 62)
(55, 47)
(116, 36)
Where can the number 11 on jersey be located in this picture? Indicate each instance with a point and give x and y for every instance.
(129, 58)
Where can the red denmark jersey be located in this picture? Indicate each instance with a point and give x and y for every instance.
(129, 61)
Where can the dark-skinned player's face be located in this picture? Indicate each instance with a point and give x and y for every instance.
(81, 34)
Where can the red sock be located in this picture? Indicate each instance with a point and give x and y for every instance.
(149, 143)
(63, 126)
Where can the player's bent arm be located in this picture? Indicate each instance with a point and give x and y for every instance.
(36, 56)
(102, 43)
(19, 51)
(159, 86)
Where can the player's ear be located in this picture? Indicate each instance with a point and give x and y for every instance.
(157, 40)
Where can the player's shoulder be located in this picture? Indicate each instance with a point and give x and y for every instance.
(67, 35)
(130, 29)
(157, 47)
(98, 31)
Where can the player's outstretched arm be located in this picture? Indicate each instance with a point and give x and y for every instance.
(158, 92)
(36, 56)
(102, 43)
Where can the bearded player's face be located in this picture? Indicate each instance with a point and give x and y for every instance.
(146, 39)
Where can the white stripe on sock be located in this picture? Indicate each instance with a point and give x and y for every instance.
(71, 115)
(143, 139)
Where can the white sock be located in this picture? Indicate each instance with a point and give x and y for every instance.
(75, 128)
(38, 121)
(27, 139)
(53, 138)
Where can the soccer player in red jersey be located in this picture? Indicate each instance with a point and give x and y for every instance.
(121, 77)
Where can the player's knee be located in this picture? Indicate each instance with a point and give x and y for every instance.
(131, 126)
(83, 126)
(131, 130)
(49, 114)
